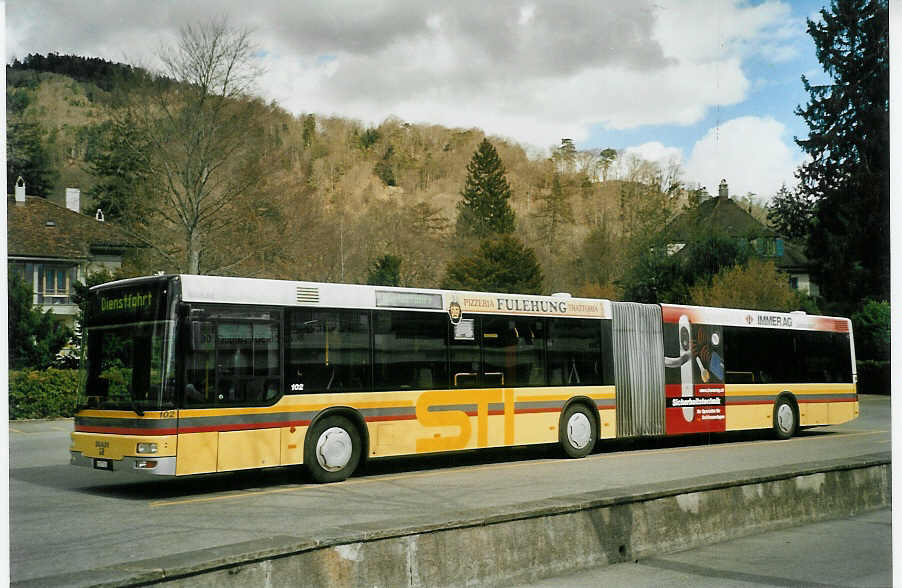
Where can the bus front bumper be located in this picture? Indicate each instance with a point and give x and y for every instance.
(160, 466)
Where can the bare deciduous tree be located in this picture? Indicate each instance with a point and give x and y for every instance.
(206, 152)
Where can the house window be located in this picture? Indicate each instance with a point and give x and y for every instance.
(54, 283)
(50, 283)
(794, 282)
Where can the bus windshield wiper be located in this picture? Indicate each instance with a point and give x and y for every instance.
(134, 404)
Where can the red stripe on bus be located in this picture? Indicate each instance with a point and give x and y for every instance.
(279, 424)
(381, 419)
(126, 431)
(800, 399)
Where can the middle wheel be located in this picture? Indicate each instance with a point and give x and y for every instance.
(577, 431)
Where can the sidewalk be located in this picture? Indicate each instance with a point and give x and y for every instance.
(853, 551)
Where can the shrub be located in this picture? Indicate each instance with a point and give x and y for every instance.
(756, 285)
(42, 394)
(873, 377)
(872, 330)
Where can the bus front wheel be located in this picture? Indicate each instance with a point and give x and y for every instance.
(786, 421)
(577, 431)
(332, 449)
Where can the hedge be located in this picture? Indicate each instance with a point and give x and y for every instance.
(874, 377)
(42, 394)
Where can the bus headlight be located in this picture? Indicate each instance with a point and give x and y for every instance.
(147, 447)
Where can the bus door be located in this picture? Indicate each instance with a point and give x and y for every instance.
(233, 361)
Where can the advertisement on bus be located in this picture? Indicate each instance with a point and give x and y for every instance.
(693, 374)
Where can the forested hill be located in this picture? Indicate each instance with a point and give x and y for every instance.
(93, 70)
(342, 194)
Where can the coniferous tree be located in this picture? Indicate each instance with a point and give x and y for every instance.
(501, 264)
(27, 156)
(121, 171)
(790, 213)
(385, 271)
(848, 143)
(485, 210)
(554, 212)
(35, 337)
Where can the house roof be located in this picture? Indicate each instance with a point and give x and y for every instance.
(720, 215)
(40, 228)
(723, 216)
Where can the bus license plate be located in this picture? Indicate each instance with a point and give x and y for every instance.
(103, 464)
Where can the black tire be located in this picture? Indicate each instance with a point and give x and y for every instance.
(786, 418)
(332, 449)
(577, 433)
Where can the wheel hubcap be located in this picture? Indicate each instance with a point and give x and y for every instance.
(579, 430)
(333, 449)
(785, 418)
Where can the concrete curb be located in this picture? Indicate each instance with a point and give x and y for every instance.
(525, 542)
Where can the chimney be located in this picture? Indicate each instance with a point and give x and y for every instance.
(20, 191)
(723, 191)
(73, 199)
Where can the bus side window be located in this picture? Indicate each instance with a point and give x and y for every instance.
(575, 352)
(328, 351)
(513, 351)
(410, 351)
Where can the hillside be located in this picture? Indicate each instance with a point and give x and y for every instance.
(345, 194)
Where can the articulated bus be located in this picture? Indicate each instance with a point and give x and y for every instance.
(197, 374)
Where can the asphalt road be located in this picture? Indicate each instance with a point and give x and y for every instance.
(65, 519)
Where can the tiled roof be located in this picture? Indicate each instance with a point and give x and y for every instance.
(721, 215)
(40, 228)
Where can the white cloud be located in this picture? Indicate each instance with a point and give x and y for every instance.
(750, 152)
(657, 152)
(701, 30)
(533, 71)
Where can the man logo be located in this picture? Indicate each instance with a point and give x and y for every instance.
(454, 312)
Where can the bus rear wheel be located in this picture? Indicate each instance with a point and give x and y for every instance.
(786, 423)
(577, 431)
(332, 449)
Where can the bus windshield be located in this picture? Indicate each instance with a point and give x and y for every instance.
(130, 349)
(129, 366)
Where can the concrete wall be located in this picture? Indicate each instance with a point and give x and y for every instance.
(533, 540)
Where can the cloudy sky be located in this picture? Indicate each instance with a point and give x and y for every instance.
(709, 83)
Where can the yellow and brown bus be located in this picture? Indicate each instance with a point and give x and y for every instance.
(196, 374)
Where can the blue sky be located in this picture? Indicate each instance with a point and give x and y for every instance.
(711, 85)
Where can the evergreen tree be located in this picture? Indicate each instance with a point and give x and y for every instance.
(554, 212)
(501, 264)
(872, 330)
(28, 156)
(385, 271)
(790, 213)
(485, 210)
(384, 169)
(564, 157)
(121, 171)
(848, 143)
(35, 337)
